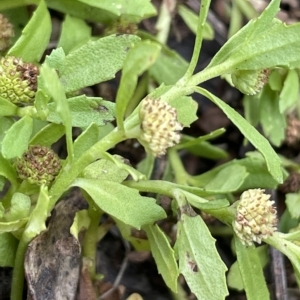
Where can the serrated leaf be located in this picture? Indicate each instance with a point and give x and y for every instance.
(289, 94)
(95, 61)
(134, 10)
(35, 36)
(56, 59)
(271, 119)
(48, 135)
(84, 111)
(7, 108)
(122, 202)
(139, 58)
(251, 271)
(17, 138)
(19, 207)
(74, 32)
(272, 160)
(198, 257)
(8, 248)
(164, 255)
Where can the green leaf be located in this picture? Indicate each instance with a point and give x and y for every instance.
(35, 36)
(74, 33)
(19, 207)
(220, 182)
(5, 124)
(7, 108)
(251, 108)
(56, 59)
(86, 140)
(8, 248)
(257, 140)
(293, 204)
(104, 170)
(191, 20)
(234, 277)
(12, 226)
(199, 261)
(48, 135)
(164, 255)
(95, 61)
(271, 119)
(16, 140)
(134, 10)
(289, 94)
(7, 170)
(122, 202)
(84, 111)
(139, 58)
(54, 88)
(251, 271)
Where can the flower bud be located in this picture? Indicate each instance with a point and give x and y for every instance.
(255, 217)
(18, 80)
(250, 82)
(39, 165)
(159, 126)
(6, 33)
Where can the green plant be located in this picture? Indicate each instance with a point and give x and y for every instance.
(81, 60)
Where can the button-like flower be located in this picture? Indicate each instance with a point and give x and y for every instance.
(39, 165)
(159, 126)
(18, 80)
(250, 82)
(255, 217)
(6, 33)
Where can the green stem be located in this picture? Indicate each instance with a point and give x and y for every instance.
(91, 239)
(70, 172)
(18, 274)
(179, 170)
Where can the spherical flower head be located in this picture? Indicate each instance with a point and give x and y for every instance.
(39, 165)
(255, 217)
(6, 33)
(250, 82)
(159, 125)
(18, 80)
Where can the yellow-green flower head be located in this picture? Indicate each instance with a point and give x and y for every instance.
(255, 217)
(39, 165)
(18, 80)
(159, 125)
(6, 33)
(250, 82)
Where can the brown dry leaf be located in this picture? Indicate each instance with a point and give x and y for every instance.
(135, 296)
(52, 260)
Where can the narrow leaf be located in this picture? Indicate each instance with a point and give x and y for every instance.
(122, 202)
(8, 248)
(272, 159)
(251, 271)
(35, 36)
(163, 255)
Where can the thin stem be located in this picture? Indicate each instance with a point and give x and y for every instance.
(18, 274)
(179, 170)
(199, 37)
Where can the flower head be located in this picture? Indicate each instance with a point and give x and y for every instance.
(159, 125)
(250, 82)
(39, 165)
(18, 80)
(255, 217)
(6, 33)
